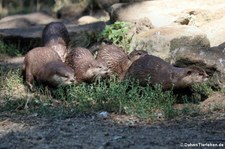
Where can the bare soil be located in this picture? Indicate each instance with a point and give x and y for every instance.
(97, 133)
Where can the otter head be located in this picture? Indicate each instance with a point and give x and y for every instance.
(190, 76)
(96, 70)
(136, 54)
(63, 75)
(55, 32)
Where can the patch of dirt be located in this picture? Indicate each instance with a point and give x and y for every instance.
(93, 132)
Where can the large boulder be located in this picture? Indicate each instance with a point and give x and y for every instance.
(206, 15)
(163, 40)
(215, 31)
(160, 13)
(210, 59)
(210, 21)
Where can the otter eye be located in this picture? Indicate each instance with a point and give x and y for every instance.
(139, 53)
(189, 72)
(66, 76)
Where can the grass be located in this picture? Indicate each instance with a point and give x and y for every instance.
(113, 96)
(9, 50)
(201, 91)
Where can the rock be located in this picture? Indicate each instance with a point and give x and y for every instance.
(106, 4)
(16, 23)
(210, 59)
(87, 20)
(206, 20)
(215, 31)
(73, 11)
(27, 38)
(160, 13)
(36, 18)
(162, 41)
(141, 25)
(134, 11)
(103, 114)
(200, 13)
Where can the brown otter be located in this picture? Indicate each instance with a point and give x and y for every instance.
(56, 36)
(45, 65)
(153, 70)
(86, 68)
(117, 60)
(56, 73)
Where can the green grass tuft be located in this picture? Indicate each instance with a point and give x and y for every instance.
(9, 50)
(201, 91)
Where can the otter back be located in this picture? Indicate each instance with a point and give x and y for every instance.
(114, 56)
(153, 70)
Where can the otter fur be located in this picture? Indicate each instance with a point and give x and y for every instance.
(44, 65)
(152, 70)
(86, 67)
(56, 36)
(136, 54)
(117, 60)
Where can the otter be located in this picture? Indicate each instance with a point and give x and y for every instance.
(56, 36)
(152, 70)
(56, 73)
(44, 65)
(86, 67)
(117, 60)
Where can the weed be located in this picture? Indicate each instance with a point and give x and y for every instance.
(201, 91)
(117, 34)
(9, 50)
(223, 90)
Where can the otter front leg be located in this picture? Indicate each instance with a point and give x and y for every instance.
(29, 80)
